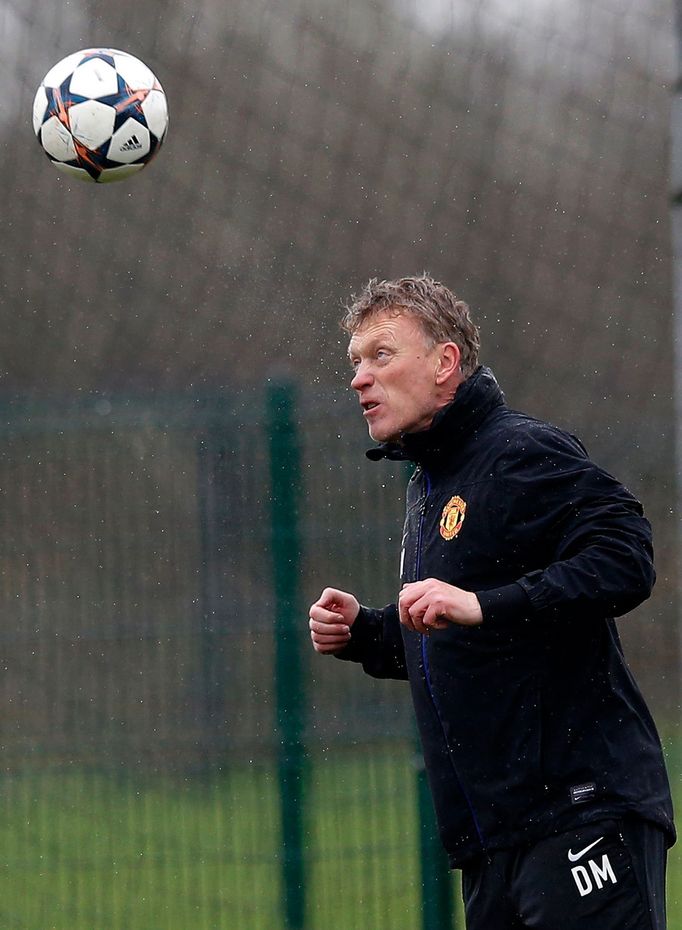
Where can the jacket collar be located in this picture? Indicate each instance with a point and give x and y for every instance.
(474, 399)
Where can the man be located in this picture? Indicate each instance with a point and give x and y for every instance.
(544, 763)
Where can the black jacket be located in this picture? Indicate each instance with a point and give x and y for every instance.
(531, 722)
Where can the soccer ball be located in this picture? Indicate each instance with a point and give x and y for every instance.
(100, 115)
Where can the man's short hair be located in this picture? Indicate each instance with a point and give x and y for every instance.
(442, 316)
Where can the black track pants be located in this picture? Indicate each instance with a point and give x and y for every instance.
(606, 876)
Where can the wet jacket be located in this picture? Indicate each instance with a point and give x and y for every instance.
(530, 722)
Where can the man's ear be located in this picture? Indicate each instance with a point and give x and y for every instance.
(449, 358)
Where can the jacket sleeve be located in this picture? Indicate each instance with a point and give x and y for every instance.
(581, 536)
(377, 643)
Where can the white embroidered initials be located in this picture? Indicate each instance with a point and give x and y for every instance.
(601, 874)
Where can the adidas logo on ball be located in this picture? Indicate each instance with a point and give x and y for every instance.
(131, 145)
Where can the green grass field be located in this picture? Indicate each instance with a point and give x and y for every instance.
(92, 852)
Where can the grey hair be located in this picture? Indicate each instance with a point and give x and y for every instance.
(442, 316)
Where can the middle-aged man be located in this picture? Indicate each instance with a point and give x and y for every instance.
(544, 763)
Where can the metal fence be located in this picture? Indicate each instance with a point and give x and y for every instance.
(157, 557)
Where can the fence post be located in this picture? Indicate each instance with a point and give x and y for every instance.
(437, 899)
(285, 484)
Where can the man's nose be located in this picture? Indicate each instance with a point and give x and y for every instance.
(361, 379)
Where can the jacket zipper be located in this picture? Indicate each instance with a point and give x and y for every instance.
(427, 672)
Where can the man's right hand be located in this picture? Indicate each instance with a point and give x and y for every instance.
(331, 617)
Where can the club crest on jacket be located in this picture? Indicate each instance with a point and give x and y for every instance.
(452, 517)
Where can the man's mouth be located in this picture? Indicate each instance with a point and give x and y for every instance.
(369, 406)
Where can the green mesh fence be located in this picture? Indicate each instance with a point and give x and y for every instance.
(519, 152)
(144, 707)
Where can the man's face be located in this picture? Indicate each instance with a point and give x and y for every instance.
(395, 375)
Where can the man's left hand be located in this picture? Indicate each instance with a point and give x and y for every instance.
(431, 605)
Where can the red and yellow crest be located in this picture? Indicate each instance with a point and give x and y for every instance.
(452, 517)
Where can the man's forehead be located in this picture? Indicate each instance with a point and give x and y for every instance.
(387, 325)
